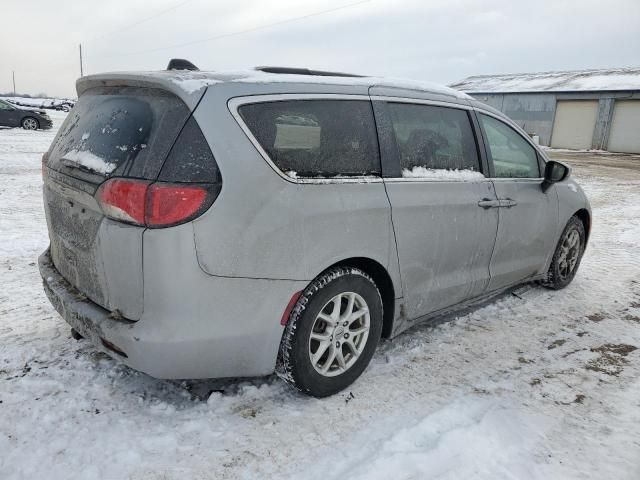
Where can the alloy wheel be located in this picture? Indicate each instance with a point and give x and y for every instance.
(339, 334)
(30, 124)
(569, 254)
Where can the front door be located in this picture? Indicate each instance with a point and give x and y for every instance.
(444, 228)
(528, 216)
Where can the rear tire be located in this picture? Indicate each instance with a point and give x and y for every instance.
(332, 332)
(568, 254)
(30, 123)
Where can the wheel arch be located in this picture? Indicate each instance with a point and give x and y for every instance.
(383, 281)
(585, 217)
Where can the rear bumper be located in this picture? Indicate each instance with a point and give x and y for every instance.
(240, 339)
(91, 320)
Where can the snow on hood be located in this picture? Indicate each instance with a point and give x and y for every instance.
(582, 80)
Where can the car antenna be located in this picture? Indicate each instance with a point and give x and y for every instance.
(181, 64)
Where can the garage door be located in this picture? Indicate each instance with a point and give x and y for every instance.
(624, 135)
(574, 124)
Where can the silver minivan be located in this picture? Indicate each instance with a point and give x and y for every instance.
(235, 224)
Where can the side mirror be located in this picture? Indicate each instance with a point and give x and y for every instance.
(554, 172)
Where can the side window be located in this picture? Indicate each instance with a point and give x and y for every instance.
(434, 141)
(512, 155)
(5, 106)
(316, 138)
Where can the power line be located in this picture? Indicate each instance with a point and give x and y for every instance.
(240, 32)
(141, 21)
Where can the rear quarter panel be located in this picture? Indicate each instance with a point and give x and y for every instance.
(264, 226)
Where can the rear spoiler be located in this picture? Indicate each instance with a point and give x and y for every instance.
(188, 85)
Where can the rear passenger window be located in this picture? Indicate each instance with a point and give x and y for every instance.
(434, 142)
(512, 155)
(316, 138)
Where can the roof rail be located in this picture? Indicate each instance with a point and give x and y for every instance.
(305, 71)
(181, 64)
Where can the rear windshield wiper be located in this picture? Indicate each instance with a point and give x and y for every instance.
(65, 162)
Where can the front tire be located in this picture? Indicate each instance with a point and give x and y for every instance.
(568, 254)
(30, 123)
(332, 332)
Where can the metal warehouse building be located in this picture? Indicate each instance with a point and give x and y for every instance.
(588, 109)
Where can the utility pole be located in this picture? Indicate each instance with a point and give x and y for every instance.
(81, 72)
(14, 82)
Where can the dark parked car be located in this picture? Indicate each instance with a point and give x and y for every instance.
(29, 119)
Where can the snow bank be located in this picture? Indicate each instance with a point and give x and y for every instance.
(442, 174)
(462, 440)
(89, 160)
(36, 102)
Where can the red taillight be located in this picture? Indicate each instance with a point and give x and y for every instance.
(124, 200)
(169, 204)
(153, 205)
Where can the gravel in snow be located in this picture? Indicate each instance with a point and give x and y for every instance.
(536, 385)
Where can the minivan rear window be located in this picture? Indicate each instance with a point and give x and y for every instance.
(316, 138)
(118, 131)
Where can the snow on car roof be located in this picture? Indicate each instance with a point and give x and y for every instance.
(193, 82)
(568, 81)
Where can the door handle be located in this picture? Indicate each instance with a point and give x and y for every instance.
(507, 202)
(488, 203)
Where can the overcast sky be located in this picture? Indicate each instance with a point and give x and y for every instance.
(436, 40)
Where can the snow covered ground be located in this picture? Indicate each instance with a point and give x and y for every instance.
(538, 385)
(34, 102)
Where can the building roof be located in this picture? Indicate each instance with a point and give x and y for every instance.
(573, 81)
